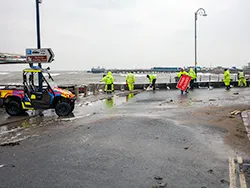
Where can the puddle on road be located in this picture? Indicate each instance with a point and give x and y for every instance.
(13, 128)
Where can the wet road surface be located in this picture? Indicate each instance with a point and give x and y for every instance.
(155, 139)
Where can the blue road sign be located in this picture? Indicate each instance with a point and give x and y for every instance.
(28, 51)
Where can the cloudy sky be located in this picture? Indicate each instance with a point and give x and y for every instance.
(129, 33)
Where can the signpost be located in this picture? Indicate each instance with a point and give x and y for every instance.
(43, 55)
(183, 82)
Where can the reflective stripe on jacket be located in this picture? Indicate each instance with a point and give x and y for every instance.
(241, 74)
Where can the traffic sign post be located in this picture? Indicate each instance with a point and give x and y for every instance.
(43, 55)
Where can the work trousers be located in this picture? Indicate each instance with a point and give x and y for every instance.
(192, 84)
(242, 81)
(130, 86)
(109, 88)
(153, 84)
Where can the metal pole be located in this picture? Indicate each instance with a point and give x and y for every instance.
(38, 27)
(39, 42)
(195, 43)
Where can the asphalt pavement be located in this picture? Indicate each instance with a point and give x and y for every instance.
(153, 139)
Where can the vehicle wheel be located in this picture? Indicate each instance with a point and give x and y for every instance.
(63, 109)
(72, 106)
(13, 108)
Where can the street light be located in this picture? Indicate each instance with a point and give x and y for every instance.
(199, 12)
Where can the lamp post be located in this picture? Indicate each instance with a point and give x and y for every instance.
(38, 26)
(200, 12)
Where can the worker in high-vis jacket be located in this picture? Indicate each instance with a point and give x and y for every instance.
(109, 82)
(105, 87)
(192, 74)
(227, 79)
(152, 79)
(182, 71)
(179, 74)
(130, 80)
(241, 79)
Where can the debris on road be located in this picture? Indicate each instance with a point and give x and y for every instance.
(224, 181)
(158, 178)
(160, 185)
(3, 165)
(165, 102)
(212, 100)
(236, 93)
(235, 112)
(186, 148)
(14, 143)
(239, 136)
(210, 88)
(210, 171)
(242, 131)
(196, 100)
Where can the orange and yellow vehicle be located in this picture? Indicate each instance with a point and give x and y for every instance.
(38, 92)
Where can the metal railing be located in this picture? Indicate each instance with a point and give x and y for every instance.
(206, 78)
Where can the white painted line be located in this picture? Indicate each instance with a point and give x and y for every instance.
(232, 173)
(239, 159)
(242, 176)
(242, 180)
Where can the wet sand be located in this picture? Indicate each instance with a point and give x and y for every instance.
(221, 117)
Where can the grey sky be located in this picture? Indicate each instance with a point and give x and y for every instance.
(129, 33)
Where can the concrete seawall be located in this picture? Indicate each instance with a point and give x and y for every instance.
(173, 85)
(96, 88)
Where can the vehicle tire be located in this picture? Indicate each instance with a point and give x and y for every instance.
(1, 102)
(13, 108)
(63, 109)
(72, 106)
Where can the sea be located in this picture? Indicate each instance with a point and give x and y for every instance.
(82, 77)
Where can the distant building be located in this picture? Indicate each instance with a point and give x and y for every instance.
(98, 70)
(166, 69)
